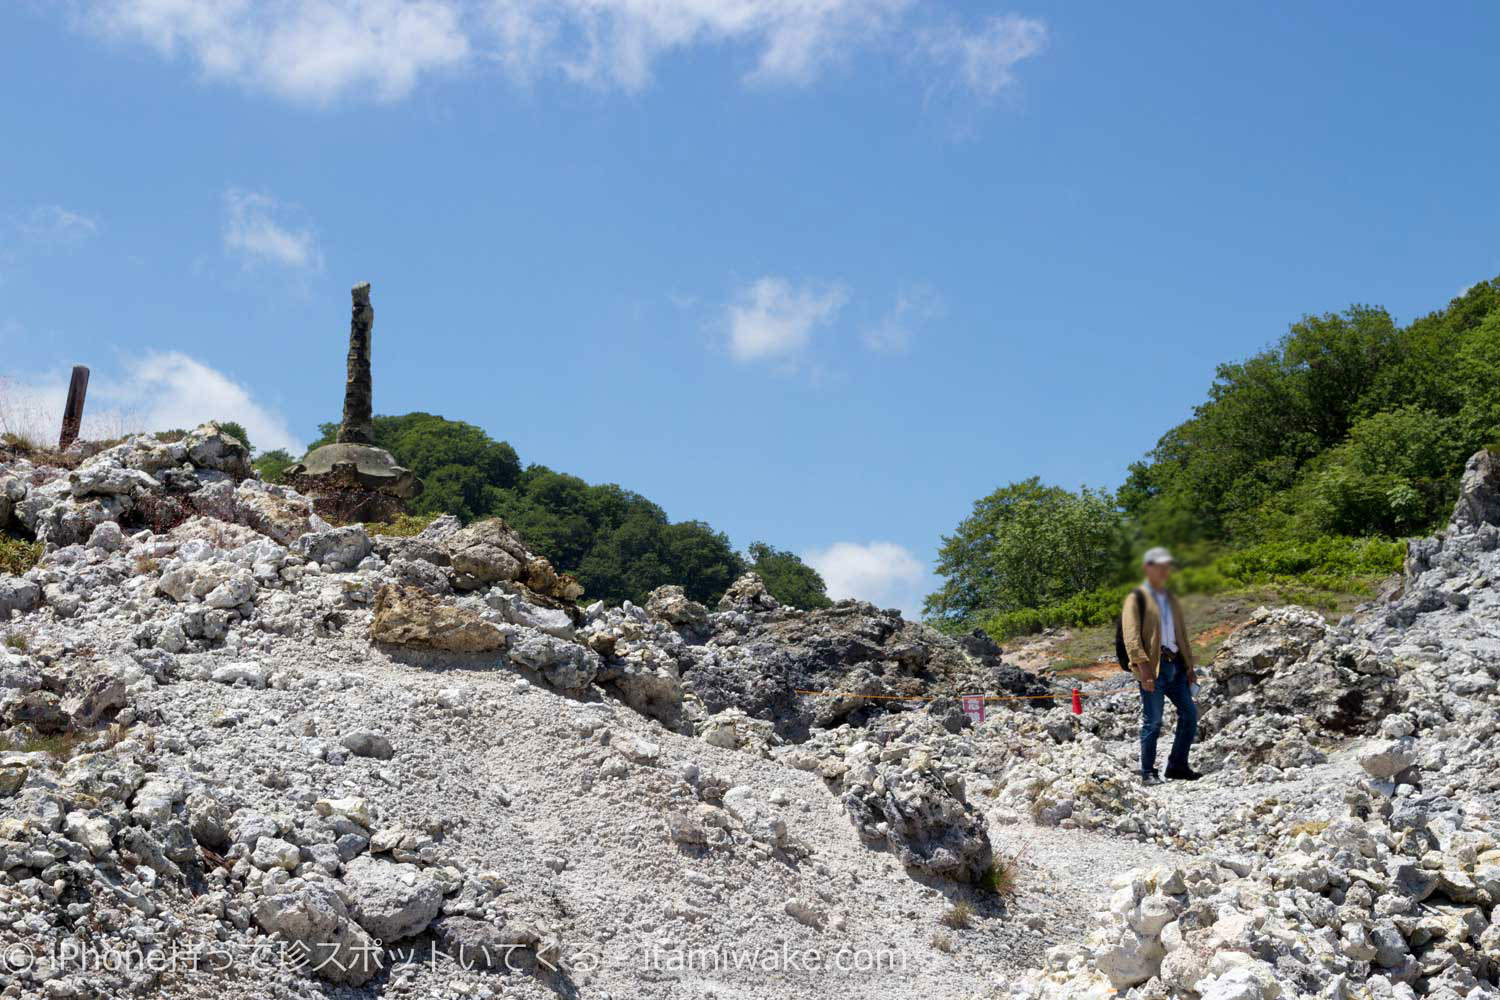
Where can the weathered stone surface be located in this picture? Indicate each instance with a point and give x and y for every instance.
(478, 944)
(564, 664)
(275, 511)
(95, 695)
(338, 548)
(486, 552)
(100, 478)
(748, 594)
(17, 594)
(671, 604)
(363, 743)
(406, 616)
(314, 917)
(1388, 758)
(209, 447)
(758, 662)
(391, 901)
(1478, 493)
(925, 824)
(12, 777)
(539, 575)
(518, 610)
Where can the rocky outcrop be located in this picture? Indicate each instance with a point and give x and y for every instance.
(1478, 493)
(920, 815)
(857, 659)
(406, 616)
(392, 901)
(1285, 664)
(330, 944)
(671, 604)
(748, 595)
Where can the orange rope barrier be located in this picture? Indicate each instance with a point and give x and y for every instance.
(935, 697)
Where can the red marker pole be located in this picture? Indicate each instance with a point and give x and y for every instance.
(1077, 702)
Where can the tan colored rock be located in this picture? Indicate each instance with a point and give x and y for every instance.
(541, 577)
(406, 616)
(486, 552)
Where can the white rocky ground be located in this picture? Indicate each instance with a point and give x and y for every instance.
(414, 763)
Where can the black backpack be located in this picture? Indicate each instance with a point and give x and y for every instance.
(1122, 656)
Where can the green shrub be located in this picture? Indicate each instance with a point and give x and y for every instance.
(1306, 571)
(17, 556)
(18, 443)
(1093, 607)
(1000, 877)
(237, 430)
(405, 525)
(271, 464)
(790, 580)
(959, 916)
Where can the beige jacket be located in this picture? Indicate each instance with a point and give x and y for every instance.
(1143, 637)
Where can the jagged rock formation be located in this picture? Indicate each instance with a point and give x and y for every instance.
(1394, 892)
(243, 734)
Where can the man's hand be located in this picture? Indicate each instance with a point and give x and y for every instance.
(1148, 683)
(1192, 677)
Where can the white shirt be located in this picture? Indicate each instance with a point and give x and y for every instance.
(1168, 626)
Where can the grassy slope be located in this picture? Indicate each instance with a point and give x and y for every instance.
(1211, 617)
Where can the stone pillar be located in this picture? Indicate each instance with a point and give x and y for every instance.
(73, 412)
(358, 426)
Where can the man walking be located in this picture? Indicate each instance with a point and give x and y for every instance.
(1162, 661)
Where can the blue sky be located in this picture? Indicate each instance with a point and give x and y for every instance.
(819, 274)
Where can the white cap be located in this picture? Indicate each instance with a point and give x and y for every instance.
(1157, 555)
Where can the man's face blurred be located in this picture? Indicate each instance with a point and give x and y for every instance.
(1157, 574)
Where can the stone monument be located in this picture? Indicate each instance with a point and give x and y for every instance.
(352, 480)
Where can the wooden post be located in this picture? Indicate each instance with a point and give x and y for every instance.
(73, 412)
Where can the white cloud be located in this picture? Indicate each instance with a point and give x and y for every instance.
(307, 51)
(51, 226)
(320, 51)
(982, 61)
(883, 573)
(44, 229)
(773, 321)
(255, 231)
(618, 42)
(159, 391)
(915, 307)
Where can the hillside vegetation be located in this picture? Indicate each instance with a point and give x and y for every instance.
(617, 543)
(1301, 470)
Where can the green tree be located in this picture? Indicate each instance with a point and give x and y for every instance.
(1393, 476)
(1273, 448)
(788, 578)
(271, 464)
(1026, 545)
(699, 558)
(619, 544)
(236, 429)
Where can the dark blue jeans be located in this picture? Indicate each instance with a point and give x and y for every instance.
(1171, 683)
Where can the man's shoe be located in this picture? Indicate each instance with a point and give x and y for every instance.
(1183, 774)
(1151, 779)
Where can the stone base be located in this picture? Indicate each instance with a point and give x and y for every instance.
(373, 469)
(341, 496)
